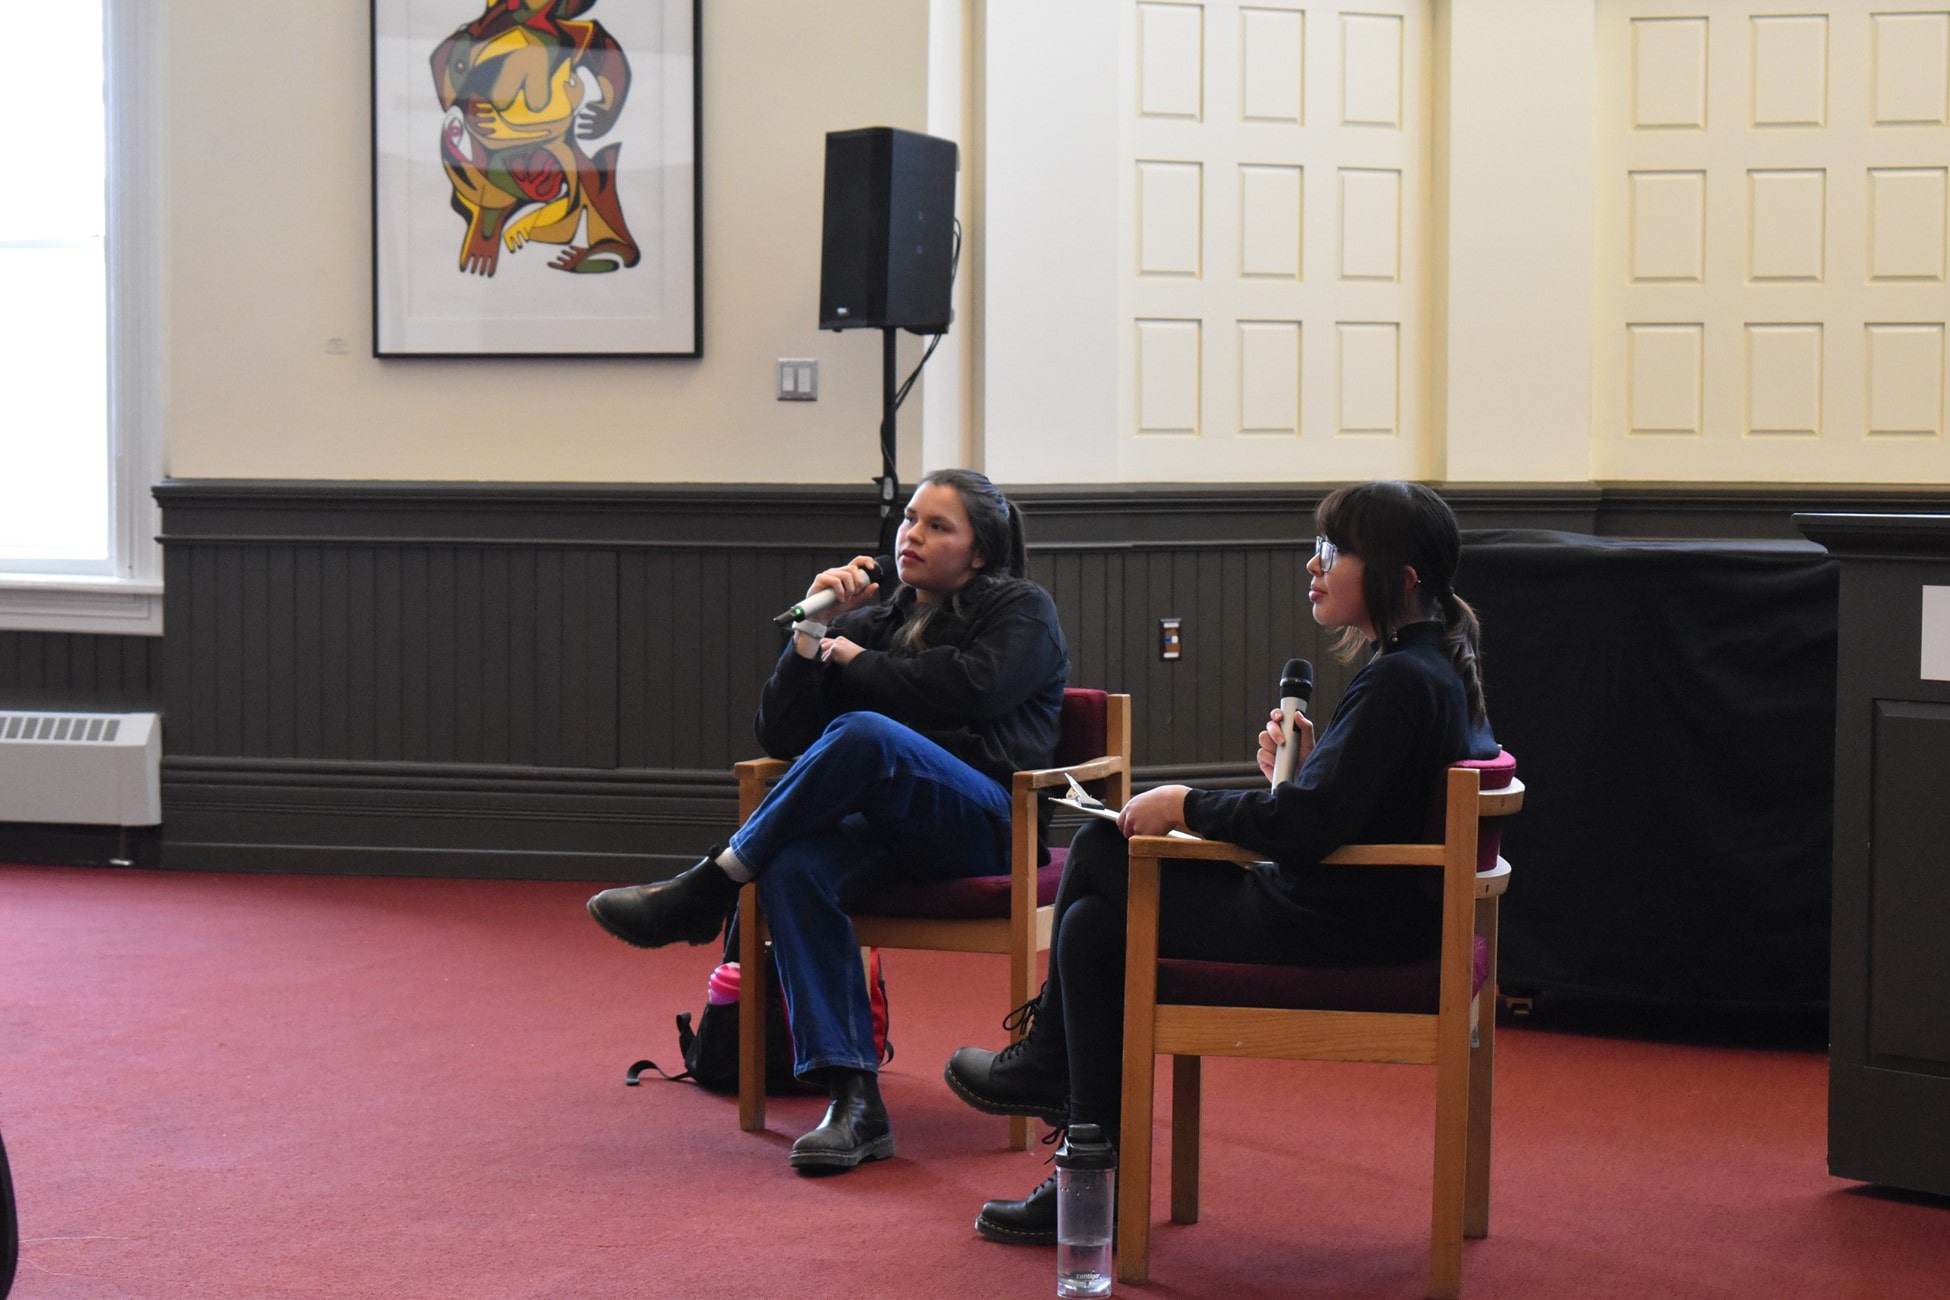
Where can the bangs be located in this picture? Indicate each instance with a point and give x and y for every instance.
(1347, 517)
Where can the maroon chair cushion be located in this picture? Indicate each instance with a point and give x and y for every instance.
(1497, 773)
(960, 900)
(1412, 988)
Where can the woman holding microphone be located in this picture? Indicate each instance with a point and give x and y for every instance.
(905, 718)
(1385, 555)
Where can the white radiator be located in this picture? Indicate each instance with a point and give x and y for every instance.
(100, 768)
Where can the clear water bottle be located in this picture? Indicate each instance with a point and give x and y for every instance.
(1086, 1200)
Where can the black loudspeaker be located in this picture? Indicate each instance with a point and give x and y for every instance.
(887, 258)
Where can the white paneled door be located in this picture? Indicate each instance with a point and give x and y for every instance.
(1772, 247)
(1275, 291)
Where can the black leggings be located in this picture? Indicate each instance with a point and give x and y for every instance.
(1211, 911)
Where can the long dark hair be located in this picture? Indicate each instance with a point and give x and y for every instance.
(999, 540)
(1396, 526)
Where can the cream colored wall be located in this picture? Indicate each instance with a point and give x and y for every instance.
(269, 282)
(267, 238)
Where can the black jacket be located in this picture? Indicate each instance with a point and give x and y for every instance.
(1374, 777)
(986, 684)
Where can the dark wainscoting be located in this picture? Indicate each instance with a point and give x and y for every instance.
(551, 680)
(75, 670)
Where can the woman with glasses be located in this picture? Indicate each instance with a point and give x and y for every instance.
(1383, 563)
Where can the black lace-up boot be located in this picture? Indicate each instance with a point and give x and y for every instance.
(1029, 1077)
(1028, 1222)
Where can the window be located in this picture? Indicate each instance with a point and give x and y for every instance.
(80, 441)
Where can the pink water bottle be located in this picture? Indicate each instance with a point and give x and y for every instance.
(723, 987)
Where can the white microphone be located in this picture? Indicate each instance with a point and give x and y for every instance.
(1296, 689)
(827, 597)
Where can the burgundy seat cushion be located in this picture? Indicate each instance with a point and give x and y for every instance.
(1497, 773)
(961, 900)
(1412, 987)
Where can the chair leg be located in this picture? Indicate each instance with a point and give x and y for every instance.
(1133, 1251)
(1186, 1097)
(1482, 1085)
(751, 1012)
(1445, 1217)
(1134, 1174)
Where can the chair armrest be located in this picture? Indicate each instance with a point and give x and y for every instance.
(1170, 846)
(1348, 855)
(762, 769)
(754, 774)
(1042, 778)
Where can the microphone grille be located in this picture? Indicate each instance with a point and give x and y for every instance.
(1297, 678)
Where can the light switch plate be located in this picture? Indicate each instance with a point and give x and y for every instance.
(798, 379)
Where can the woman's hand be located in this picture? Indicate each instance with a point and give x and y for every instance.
(1155, 812)
(849, 581)
(838, 650)
(1274, 735)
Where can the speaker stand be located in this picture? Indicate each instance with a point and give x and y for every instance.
(889, 481)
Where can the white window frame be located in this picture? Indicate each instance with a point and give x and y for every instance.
(128, 600)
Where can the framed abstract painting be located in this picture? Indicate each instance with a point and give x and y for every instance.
(535, 178)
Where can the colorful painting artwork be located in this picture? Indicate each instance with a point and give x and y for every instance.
(539, 123)
(522, 86)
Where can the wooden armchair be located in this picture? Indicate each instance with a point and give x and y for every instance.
(1002, 914)
(1423, 1014)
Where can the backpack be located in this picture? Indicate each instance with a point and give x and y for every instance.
(710, 1050)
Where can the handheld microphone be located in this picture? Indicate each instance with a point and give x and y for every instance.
(825, 598)
(1296, 689)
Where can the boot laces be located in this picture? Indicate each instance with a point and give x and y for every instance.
(1024, 1016)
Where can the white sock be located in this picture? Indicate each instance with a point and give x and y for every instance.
(734, 866)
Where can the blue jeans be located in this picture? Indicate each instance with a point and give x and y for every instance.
(870, 797)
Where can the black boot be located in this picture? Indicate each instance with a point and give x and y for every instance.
(1028, 1222)
(855, 1129)
(691, 907)
(1029, 1077)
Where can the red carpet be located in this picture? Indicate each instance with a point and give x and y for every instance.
(266, 1086)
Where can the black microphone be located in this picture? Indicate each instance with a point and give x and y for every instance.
(1296, 689)
(825, 598)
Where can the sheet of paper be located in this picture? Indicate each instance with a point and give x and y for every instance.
(1936, 634)
(1110, 815)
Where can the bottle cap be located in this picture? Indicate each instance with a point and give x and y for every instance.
(723, 987)
(1085, 1147)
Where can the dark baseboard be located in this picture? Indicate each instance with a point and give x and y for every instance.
(450, 820)
(432, 819)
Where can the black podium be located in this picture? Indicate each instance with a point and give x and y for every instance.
(1889, 1014)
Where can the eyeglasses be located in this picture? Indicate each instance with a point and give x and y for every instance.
(1326, 552)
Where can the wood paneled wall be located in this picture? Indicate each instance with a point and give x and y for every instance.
(74, 670)
(536, 680)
